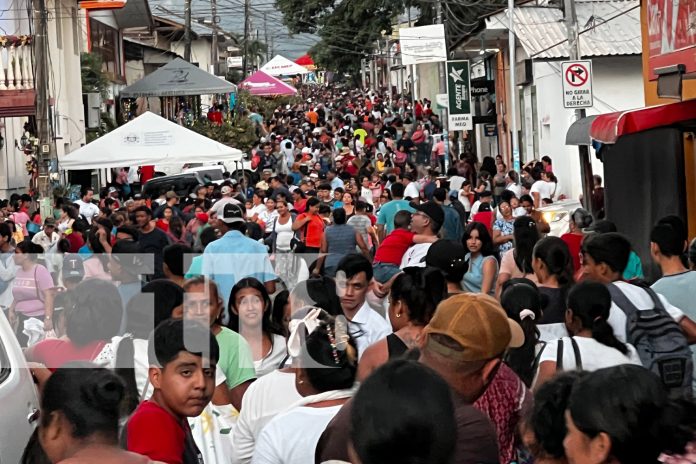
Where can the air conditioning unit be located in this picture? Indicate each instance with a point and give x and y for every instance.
(92, 103)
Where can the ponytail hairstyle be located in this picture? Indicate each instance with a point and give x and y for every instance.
(639, 418)
(88, 396)
(421, 289)
(526, 235)
(589, 303)
(522, 302)
(554, 253)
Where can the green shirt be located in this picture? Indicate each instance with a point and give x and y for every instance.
(389, 210)
(235, 360)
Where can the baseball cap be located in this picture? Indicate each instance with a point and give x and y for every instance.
(263, 185)
(226, 190)
(447, 255)
(170, 194)
(112, 190)
(477, 323)
(431, 209)
(49, 221)
(73, 267)
(232, 213)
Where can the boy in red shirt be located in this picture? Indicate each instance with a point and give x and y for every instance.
(183, 360)
(390, 252)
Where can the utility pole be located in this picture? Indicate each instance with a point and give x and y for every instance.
(265, 37)
(257, 57)
(574, 53)
(187, 31)
(214, 51)
(43, 110)
(442, 72)
(247, 6)
(413, 75)
(512, 106)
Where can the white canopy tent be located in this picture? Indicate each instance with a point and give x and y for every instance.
(147, 140)
(281, 66)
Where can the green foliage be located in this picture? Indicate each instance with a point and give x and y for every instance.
(266, 105)
(94, 80)
(240, 133)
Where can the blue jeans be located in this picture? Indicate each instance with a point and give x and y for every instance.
(385, 271)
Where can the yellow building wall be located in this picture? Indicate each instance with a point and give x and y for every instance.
(651, 99)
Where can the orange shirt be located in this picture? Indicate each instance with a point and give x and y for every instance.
(312, 116)
(312, 231)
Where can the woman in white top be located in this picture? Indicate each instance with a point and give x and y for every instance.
(326, 360)
(592, 344)
(269, 215)
(250, 315)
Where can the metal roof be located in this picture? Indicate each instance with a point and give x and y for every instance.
(542, 31)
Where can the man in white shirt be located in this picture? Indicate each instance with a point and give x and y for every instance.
(485, 197)
(366, 326)
(604, 258)
(412, 190)
(427, 220)
(47, 237)
(512, 183)
(87, 209)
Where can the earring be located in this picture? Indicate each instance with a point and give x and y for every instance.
(398, 314)
(300, 382)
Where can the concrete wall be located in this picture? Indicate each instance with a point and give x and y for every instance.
(617, 85)
(66, 89)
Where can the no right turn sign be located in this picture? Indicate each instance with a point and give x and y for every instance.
(577, 84)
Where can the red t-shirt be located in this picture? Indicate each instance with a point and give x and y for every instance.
(574, 243)
(146, 173)
(153, 432)
(54, 352)
(485, 218)
(393, 247)
(162, 225)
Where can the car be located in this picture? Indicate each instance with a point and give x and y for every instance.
(237, 168)
(558, 214)
(18, 395)
(183, 184)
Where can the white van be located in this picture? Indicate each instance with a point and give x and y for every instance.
(18, 396)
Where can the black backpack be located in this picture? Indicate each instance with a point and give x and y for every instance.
(659, 340)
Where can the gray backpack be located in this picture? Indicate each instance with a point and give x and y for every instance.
(659, 340)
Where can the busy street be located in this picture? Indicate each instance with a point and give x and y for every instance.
(278, 233)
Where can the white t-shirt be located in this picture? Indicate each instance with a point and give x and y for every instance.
(292, 437)
(368, 327)
(88, 210)
(544, 189)
(366, 193)
(412, 191)
(464, 199)
(455, 182)
(267, 397)
(415, 255)
(270, 362)
(641, 300)
(593, 354)
(515, 188)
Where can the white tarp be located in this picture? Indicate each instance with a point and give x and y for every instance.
(281, 66)
(147, 140)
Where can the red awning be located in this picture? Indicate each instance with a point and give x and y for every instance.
(305, 60)
(606, 128)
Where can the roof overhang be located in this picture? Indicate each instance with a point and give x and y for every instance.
(136, 13)
(607, 128)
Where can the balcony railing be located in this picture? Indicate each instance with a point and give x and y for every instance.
(17, 94)
(16, 65)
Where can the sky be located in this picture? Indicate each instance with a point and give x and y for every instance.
(231, 14)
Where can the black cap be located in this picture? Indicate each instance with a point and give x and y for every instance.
(73, 267)
(447, 255)
(232, 213)
(432, 210)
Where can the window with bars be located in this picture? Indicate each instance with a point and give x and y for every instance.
(105, 43)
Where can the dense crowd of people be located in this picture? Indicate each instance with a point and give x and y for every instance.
(377, 295)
